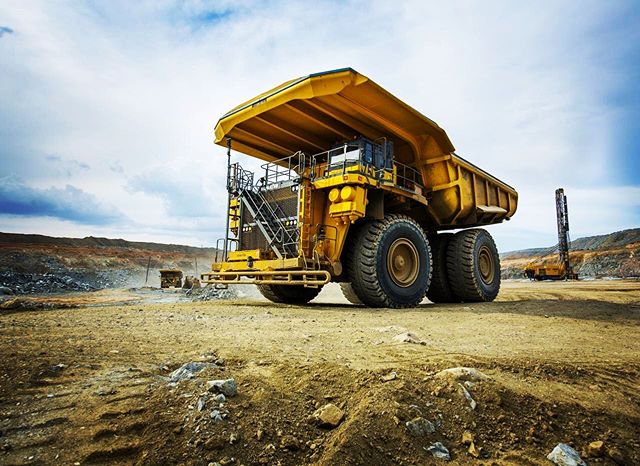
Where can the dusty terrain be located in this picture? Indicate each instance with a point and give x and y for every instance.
(90, 384)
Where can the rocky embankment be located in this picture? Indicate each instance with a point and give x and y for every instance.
(41, 264)
(616, 255)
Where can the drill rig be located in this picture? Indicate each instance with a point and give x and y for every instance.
(562, 270)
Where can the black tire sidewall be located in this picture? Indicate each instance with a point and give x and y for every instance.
(290, 294)
(489, 290)
(415, 292)
(439, 290)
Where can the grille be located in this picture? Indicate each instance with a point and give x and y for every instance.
(284, 201)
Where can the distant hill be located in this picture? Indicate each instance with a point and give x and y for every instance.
(613, 255)
(92, 241)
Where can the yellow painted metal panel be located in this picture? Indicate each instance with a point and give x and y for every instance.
(244, 255)
(461, 194)
(265, 264)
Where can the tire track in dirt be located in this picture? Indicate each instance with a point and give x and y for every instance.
(97, 428)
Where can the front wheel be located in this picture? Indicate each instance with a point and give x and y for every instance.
(289, 294)
(390, 263)
(350, 294)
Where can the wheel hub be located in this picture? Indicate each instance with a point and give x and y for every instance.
(403, 262)
(486, 265)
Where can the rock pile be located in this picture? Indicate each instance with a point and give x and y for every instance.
(25, 283)
(210, 292)
(62, 280)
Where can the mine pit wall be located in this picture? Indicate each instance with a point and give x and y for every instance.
(621, 262)
(53, 265)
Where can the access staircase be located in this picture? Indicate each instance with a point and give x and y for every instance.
(282, 238)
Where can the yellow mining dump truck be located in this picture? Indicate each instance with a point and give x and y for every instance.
(170, 278)
(356, 188)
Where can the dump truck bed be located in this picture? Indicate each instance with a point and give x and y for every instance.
(313, 113)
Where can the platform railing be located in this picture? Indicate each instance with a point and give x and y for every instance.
(322, 165)
(289, 168)
(407, 177)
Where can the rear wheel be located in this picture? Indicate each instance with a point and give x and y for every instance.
(289, 294)
(473, 266)
(390, 263)
(440, 290)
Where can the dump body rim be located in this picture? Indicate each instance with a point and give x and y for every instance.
(439, 135)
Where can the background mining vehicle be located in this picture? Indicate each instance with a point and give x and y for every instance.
(561, 269)
(356, 187)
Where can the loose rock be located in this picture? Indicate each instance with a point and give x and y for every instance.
(473, 451)
(467, 438)
(227, 387)
(467, 395)
(564, 455)
(438, 450)
(390, 376)
(210, 292)
(419, 427)
(215, 415)
(408, 337)
(290, 442)
(189, 370)
(215, 443)
(328, 416)
(462, 374)
(596, 449)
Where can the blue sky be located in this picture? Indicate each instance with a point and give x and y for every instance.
(108, 108)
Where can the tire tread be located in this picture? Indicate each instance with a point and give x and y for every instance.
(461, 264)
(362, 267)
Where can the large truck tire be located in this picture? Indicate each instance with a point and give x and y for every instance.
(390, 262)
(440, 289)
(473, 266)
(349, 293)
(289, 294)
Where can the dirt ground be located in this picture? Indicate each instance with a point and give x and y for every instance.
(90, 384)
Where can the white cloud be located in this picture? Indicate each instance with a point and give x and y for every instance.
(133, 91)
